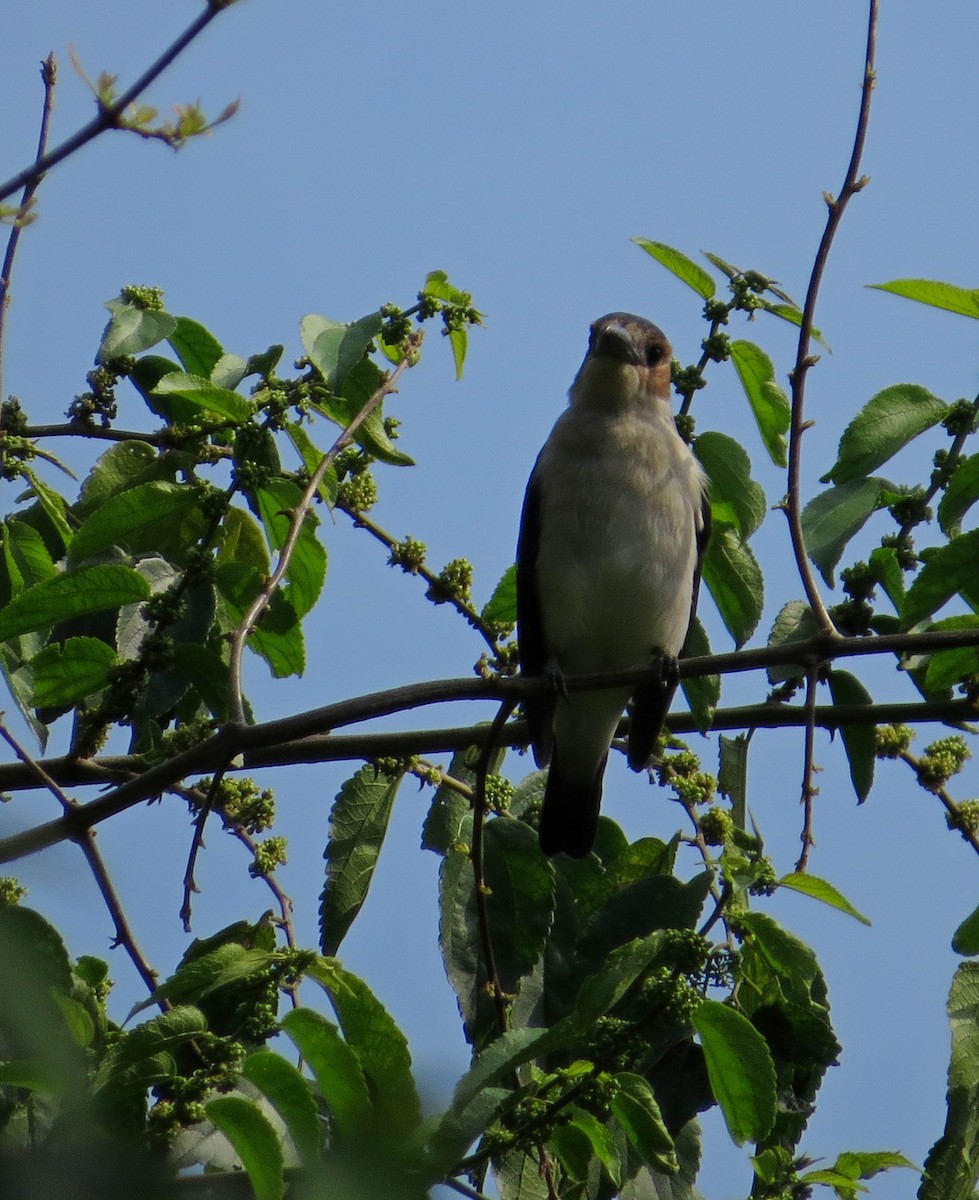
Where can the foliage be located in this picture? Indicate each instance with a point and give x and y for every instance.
(608, 1001)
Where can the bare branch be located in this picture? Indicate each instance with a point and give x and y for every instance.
(110, 115)
(852, 184)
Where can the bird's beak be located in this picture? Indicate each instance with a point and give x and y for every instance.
(616, 342)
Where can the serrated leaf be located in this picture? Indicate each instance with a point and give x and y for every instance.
(734, 580)
(732, 776)
(72, 594)
(254, 1140)
(935, 294)
(120, 468)
(948, 667)
(693, 275)
(884, 425)
(859, 741)
(358, 823)
(67, 673)
(965, 940)
(501, 608)
(132, 330)
(768, 401)
(335, 348)
(52, 504)
(291, 1097)
(702, 692)
(306, 572)
(154, 516)
(735, 498)
(794, 623)
(820, 889)
(380, 1046)
(740, 1068)
(948, 569)
(197, 348)
(336, 1068)
(161, 1034)
(25, 556)
(279, 636)
(204, 395)
(635, 1109)
(961, 492)
(952, 1165)
(833, 517)
(198, 977)
(311, 457)
(887, 570)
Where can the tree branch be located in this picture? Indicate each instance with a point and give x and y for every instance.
(109, 115)
(852, 184)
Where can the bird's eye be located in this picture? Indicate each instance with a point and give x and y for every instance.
(654, 354)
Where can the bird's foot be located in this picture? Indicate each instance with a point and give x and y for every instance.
(666, 667)
(554, 678)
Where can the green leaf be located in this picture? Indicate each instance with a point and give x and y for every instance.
(334, 348)
(501, 608)
(833, 517)
(279, 636)
(437, 284)
(151, 516)
(242, 541)
(854, 1165)
(887, 570)
(132, 330)
(25, 556)
(948, 569)
(735, 582)
(120, 468)
(595, 1140)
(358, 823)
(72, 594)
(859, 741)
(360, 384)
(740, 1069)
(602, 991)
(961, 492)
(735, 498)
(693, 275)
(197, 348)
(701, 691)
(67, 673)
(306, 572)
(197, 977)
(311, 456)
(634, 1107)
(732, 776)
(205, 396)
(291, 1097)
(948, 667)
(52, 504)
(882, 427)
(819, 889)
(965, 940)
(768, 401)
(254, 1140)
(336, 1068)
(380, 1046)
(952, 1165)
(938, 295)
(160, 1035)
(794, 623)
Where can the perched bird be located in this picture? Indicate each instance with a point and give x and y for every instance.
(614, 524)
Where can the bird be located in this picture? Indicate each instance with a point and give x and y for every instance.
(613, 529)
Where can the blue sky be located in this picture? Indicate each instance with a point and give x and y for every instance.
(520, 148)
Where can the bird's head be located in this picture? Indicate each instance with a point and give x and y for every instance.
(628, 362)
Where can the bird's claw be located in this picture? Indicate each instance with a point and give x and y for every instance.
(554, 678)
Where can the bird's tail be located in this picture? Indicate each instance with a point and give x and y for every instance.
(569, 817)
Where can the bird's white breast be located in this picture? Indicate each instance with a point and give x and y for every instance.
(620, 505)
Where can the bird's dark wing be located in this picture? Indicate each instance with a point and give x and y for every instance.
(653, 698)
(530, 629)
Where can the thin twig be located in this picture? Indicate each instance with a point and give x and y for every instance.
(968, 832)
(809, 790)
(86, 843)
(109, 115)
(466, 610)
(196, 843)
(264, 598)
(853, 182)
(49, 76)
